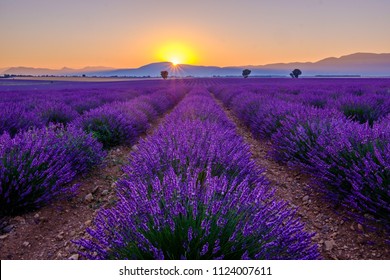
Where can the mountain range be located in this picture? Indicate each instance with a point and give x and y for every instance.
(364, 64)
(65, 71)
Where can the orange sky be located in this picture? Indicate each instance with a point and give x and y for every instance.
(126, 34)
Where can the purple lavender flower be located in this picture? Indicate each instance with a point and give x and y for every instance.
(204, 250)
(195, 160)
(335, 130)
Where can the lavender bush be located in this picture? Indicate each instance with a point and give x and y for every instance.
(123, 122)
(55, 112)
(299, 131)
(28, 104)
(177, 218)
(38, 166)
(111, 126)
(38, 163)
(346, 151)
(364, 109)
(33, 170)
(15, 118)
(353, 165)
(174, 205)
(83, 150)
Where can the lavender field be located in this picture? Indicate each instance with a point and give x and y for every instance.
(214, 168)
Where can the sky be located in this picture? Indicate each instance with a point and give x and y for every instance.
(129, 34)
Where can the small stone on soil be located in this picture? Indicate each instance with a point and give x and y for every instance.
(95, 189)
(88, 197)
(60, 236)
(4, 236)
(74, 257)
(20, 220)
(329, 244)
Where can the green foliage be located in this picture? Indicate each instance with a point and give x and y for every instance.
(361, 113)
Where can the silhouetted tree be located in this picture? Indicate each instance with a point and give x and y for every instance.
(164, 74)
(295, 73)
(246, 72)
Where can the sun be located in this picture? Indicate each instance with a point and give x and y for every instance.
(175, 61)
(176, 53)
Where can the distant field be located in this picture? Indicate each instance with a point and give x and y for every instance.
(194, 168)
(77, 79)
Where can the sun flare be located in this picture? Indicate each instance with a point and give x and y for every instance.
(175, 61)
(176, 53)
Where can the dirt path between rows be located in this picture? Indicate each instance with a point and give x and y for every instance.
(338, 237)
(47, 233)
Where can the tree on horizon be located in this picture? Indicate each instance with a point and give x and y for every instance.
(246, 73)
(164, 74)
(295, 73)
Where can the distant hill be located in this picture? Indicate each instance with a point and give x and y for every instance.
(182, 70)
(365, 64)
(3, 70)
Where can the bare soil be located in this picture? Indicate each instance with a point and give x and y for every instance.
(338, 237)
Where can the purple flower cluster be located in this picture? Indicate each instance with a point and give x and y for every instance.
(55, 112)
(83, 151)
(44, 143)
(38, 165)
(353, 163)
(15, 117)
(337, 133)
(298, 132)
(364, 109)
(28, 104)
(123, 122)
(191, 191)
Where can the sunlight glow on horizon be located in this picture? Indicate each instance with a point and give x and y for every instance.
(176, 53)
(175, 61)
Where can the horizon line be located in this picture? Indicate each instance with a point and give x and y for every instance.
(191, 64)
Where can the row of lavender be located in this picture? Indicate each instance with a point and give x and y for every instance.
(361, 100)
(121, 123)
(36, 105)
(38, 165)
(191, 191)
(350, 161)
